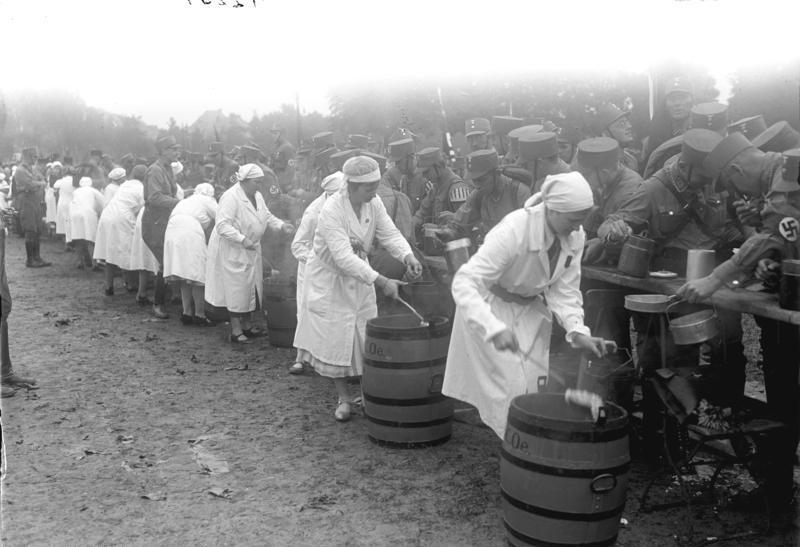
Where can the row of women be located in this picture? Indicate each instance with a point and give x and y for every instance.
(527, 270)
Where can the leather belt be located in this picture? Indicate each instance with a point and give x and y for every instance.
(513, 298)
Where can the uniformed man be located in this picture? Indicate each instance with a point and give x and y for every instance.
(678, 101)
(754, 176)
(750, 127)
(403, 175)
(493, 198)
(280, 161)
(127, 162)
(512, 156)
(477, 131)
(538, 154)
(193, 174)
(338, 158)
(501, 127)
(29, 188)
(447, 192)
(358, 142)
(568, 138)
(681, 211)
(778, 137)
(322, 141)
(252, 153)
(611, 121)
(225, 168)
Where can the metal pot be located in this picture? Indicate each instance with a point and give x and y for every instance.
(648, 303)
(456, 253)
(635, 257)
(694, 328)
(699, 263)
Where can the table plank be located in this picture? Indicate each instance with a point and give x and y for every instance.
(740, 300)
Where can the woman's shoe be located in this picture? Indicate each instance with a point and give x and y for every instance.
(240, 339)
(143, 301)
(158, 313)
(186, 319)
(253, 332)
(342, 413)
(296, 368)
(202, 321)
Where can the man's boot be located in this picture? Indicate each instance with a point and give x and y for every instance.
(30, 253)
(41, 263)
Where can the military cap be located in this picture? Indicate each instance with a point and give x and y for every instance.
(777, 138)
(476, 126)
(402, 133)
(377, 157)
(357, 141)
(606, 115)
(324, 155)
(400, 149)
(304, 151)
(235, 150)
(697, 145)
(538, 145)
(165, 142)
(322, 140)
(569, 133)
(750, 127)
(788, 180)
(427, 157)
(598, 153)
(713, 116)
(338, 158)
(515, 134)
(502, 125)
(678, 84)
(215, 148)
(481, 162)
(549, 126)
(126, 157)
(724, 152)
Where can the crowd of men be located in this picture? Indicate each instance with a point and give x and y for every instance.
(702, 182)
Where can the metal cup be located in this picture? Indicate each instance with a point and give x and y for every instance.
(699, 263)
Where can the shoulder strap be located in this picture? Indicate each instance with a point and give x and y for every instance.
(687, 208)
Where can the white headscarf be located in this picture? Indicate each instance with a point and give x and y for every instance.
(117, 173)
(204, 189)
(361, 169)
(249, 171)
(85, 181)
(564, 193)
(333, 182)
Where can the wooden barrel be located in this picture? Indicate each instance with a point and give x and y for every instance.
(402, 381)
(563, 478)
(280, 304)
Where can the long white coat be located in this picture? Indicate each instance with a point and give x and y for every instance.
(84, 212)
(142, 258)
(65, 190)
(117, 224)
(185, 239)
(303, 245)
(338, 291)
(234, 275)
(513, 256)
(109, 191)
(51, 205)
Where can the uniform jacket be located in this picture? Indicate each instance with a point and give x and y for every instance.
(160, 196)
(609, 199)
(438, 198)
(29, 197)
(483, 211)
(414, 187)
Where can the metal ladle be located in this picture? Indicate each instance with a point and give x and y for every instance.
(422, 322)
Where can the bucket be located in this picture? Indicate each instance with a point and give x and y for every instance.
(563, 478)
(280, 303)
(611, 380)
(456, 253)
(699, 263)
(694, 328)
(789, 293)
(429, 298)
(634, 259)
(431, 245)
(402, 382)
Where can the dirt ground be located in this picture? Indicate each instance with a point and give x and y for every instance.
(147, 432)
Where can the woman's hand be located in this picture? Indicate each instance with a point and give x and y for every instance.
(247, 244)
(594, 344)
(413, 267)
(505, 340)
(390, 287)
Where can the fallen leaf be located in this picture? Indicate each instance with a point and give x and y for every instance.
(155, 496)
(236, 368)
(220, 492)
(180, 371)
(124, 439)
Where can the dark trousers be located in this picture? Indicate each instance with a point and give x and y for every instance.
(780, 349)
(31, 245)
(5, 355)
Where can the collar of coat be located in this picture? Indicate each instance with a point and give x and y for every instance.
(537, 240)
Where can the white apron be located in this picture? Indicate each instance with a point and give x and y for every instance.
(142, 258)
(51, 206)
(117, 224)
(303, 245)
(185, 239)
(234, 275)
(514, 257)
(84, 213)
(338, 290)
(65, 190)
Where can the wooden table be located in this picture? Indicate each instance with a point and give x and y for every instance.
(740, 300)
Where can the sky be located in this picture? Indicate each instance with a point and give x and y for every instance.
(178, 58)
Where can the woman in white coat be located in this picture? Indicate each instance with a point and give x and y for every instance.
(526, 271)
(339, 284)
(65, 187)
(190, 222)
(234, 271)
(115, 179)
(116, 226)
(84, 213)
(303, 248)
